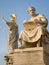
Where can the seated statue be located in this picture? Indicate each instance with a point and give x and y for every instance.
(35, 32)
(13, 33)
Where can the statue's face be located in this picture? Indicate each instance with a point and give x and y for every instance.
(13, 17)
(31, 11)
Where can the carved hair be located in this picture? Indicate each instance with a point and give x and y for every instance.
(31, 8)
(13, 15)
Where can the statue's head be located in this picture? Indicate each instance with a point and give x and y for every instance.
(31, 10)
(13, 17)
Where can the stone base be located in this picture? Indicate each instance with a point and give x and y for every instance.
(28, 56)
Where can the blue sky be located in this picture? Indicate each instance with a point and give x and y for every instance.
(19, 7)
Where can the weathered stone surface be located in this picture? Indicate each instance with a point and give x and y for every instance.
(46, 53)
(13, 33)
(9, 59)
(28, 56)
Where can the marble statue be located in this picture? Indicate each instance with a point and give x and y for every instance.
(13, 33)
(35, 32)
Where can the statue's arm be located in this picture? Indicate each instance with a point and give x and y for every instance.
(44, 20)
(5, 21)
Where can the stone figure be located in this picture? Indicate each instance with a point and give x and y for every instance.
(13, 33)
(35, 32)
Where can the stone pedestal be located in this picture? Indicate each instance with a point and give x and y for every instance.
(46, 53)
(28, 56)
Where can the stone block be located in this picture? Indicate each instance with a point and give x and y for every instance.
(28, 56)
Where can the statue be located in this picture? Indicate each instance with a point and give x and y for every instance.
(13, 33)
(35, 32)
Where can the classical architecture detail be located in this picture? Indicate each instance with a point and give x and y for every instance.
(34, 40)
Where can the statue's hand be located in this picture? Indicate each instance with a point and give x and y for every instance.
(3, 18)
(4, 21)
(25, 21)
